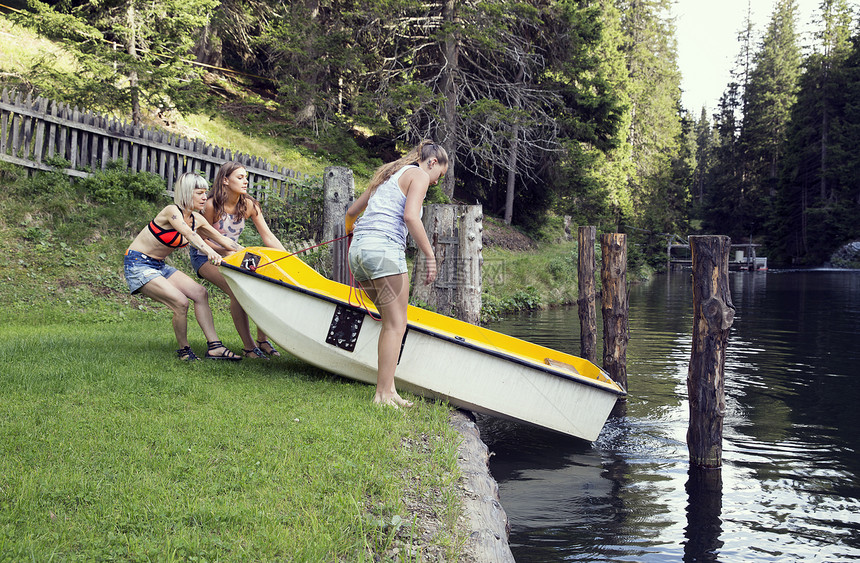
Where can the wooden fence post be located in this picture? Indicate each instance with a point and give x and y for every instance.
(713, 315)
(338, 192)
(455, 232)
(587, 294)
(613, 275)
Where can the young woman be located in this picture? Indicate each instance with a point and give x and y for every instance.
(392, 207)
(227, 210)
(146, 272)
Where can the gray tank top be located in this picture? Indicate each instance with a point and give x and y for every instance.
(384, 212)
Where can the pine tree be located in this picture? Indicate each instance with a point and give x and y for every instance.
(726, 174)
(129, 53)
(810, 218)
(768, 100)
(659, 197)
(591, 175)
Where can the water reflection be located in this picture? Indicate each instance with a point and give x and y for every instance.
(704, 508)
(789, 488)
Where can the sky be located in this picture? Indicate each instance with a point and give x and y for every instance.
(707, 43)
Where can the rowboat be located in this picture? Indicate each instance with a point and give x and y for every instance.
(323, 323)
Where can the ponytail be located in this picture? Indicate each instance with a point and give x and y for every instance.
(425, 150)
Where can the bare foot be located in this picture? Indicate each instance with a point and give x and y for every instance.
(394, 400)
(386, 402)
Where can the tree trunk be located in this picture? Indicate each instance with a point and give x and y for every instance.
(713, 315)
(824, 148)
(131, 46)
(339, 191)
(450, 64)
(613, 275)
(456, 234)
(587, 295)
(512, 175)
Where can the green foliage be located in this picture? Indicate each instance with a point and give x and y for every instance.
(116, 185)
(298, 214)
(494, 307)
(126, 54)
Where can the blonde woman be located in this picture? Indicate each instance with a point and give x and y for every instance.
(146, 271)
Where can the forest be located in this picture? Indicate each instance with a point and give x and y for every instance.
(548, 108)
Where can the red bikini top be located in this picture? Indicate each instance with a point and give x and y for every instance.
(170, 237)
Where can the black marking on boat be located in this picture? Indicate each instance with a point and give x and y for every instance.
(345, 327)
(453, 339)
(250, 261)
(402, 344)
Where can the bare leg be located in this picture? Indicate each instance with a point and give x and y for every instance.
(161, 290)
(175, 292)
(240, 317)
(265, 345)
(391, 296)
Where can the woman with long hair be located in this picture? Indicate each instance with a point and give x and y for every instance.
(146, 271)
(227, 210)
(391, 208)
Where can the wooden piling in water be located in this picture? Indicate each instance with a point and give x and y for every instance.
(587, 294)
(615, 307)
(713, 315)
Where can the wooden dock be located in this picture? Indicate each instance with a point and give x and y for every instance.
(742, 257)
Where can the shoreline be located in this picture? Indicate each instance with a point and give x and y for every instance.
(484, 518)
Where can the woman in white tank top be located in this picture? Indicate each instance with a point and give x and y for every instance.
(392, 207)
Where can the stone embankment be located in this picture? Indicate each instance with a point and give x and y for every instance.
(483, 513)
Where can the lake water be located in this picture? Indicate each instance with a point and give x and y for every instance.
(789, 488)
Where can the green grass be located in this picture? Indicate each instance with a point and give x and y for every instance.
(513, 281)
(215, 129)
(20, 48)
(112, 449)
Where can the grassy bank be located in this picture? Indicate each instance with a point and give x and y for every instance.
(113, 449)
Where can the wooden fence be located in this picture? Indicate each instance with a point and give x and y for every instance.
(33, 132)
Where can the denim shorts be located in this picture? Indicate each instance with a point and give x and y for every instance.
(197, 259)
(375, 255)
(141, 269)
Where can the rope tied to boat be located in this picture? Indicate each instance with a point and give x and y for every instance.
(257, 267)
(353, 286)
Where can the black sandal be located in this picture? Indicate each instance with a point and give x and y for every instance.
(256, 350)
(225, 355)
(272, 351)
(187, 354)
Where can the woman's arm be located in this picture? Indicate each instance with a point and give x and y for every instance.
(357, 208)
(214, 235)
(416, 189)
(177, 221)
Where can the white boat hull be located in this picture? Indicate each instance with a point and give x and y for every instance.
(469, 375)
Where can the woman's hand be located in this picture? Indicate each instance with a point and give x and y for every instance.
(431, 270)
(213, 256)
(233, 249)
